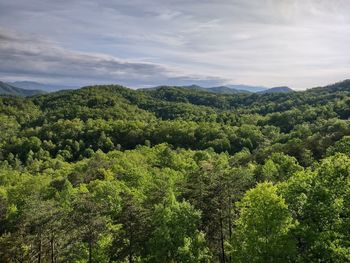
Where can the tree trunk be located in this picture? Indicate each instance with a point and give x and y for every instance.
(130, 246)
(90, 251)
(222, 241)
(40, 249)
(52, 243)
(130, 253)
(230, 223)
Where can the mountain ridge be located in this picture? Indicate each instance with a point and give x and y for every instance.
(7, 89)
(32, 85)
(229, 89)
(223, 89)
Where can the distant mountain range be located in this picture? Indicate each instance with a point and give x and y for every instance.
(233, 89)
(32, 85)
(248, 88)
(219, 89)
(7, 89)
(29, 88)
(225, 90)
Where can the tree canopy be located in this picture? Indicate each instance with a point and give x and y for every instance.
(110, 174)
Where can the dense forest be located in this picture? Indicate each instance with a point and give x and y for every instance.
(170, 175)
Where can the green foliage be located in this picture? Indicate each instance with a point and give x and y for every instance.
(176, 237)
(341, 146)
(263, 232)
(279, 167)
(110, 174)
(319, 201)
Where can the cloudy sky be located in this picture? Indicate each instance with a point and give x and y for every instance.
(140, 43)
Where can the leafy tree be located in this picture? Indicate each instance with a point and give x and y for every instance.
(263, 230)
(279, 167)
(176, 237)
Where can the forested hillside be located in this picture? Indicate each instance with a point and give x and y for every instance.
(111, 174)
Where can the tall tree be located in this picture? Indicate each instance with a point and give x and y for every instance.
(89, 223)
(130, 239)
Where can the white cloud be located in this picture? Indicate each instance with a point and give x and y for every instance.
(300, 43)
(21, 56)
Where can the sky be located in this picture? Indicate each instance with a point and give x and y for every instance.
(144, 43)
